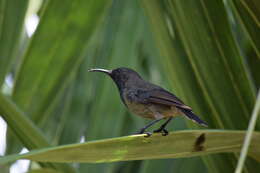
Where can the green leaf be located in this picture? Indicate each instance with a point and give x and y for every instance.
(21, 125)
(247, 12)
(54, 55)
(46, 69)
(203, 46)
(138, 147)
(249, 135)
(247, 18)
(25, 129)
(44, 170)
(196, 42)
(12, 14)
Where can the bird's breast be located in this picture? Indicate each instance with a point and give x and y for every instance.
(135, 105)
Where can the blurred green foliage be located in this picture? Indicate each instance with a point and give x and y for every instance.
(206, 52)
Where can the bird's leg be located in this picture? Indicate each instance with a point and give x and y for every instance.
(162, 128)
(142, 130)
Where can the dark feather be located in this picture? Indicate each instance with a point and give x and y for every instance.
(166, 98)
(189, 114)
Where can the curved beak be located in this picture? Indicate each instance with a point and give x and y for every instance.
(109, 72)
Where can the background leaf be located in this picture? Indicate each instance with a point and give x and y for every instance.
(12, 14)
(205, 52)
(196, 59)
(45, 70)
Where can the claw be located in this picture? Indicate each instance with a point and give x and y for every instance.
(148, 134)
(165, 132)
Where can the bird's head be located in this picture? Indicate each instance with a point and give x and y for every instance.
(121, 76)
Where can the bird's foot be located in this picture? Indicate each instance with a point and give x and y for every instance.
(162, 130)
(148, 134)
(165, 132)
(142, 131)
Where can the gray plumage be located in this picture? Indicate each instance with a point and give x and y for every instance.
(146, 99)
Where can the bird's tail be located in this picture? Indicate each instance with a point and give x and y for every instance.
(189, 114)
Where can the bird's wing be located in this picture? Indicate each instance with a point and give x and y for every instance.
(161, 96)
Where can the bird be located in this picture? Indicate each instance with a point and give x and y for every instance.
(148, 100)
